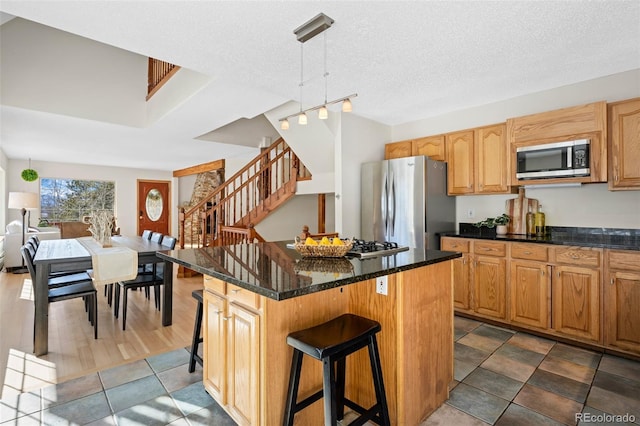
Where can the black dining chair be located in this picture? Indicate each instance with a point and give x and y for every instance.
(145, 280)
(64, 288)
(146, 234)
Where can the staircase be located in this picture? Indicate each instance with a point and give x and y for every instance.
(229, 213)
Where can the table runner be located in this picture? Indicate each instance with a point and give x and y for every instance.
(110, 264)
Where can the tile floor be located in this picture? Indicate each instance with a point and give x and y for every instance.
(502, 377)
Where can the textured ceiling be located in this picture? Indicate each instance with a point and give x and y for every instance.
(406, 60)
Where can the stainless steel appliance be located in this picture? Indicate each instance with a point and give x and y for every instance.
(553, 160)
(405, 201)
(365, 249)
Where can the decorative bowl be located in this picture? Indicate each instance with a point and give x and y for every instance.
(322, 250)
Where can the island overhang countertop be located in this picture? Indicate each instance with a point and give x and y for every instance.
(273, 270)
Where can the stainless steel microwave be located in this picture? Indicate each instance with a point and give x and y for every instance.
(553, 160)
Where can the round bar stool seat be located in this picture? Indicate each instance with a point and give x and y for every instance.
(330, 343)
(197, 294)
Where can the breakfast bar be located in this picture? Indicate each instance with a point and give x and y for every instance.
(256, 294)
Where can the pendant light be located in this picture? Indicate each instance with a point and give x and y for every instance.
(306, 31)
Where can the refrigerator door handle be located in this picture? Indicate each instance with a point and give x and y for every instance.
(384, 201)
(392, 201)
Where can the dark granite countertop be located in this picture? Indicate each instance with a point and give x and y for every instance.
(275, 271)
(611, 238)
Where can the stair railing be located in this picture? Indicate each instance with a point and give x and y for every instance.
(245, 198)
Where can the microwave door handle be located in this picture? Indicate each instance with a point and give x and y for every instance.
(569, 157)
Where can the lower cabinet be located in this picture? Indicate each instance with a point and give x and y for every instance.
(530, 286)
(622, 300)
(584, 294)
(232, 350)
(575, 302)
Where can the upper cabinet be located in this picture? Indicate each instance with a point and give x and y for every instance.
(478, 161)
(430, 146)
(579, 122)
(624, 145)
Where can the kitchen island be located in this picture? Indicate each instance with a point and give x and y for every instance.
(256, 294)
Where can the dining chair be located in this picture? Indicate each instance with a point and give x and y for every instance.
(144, 280)
(65, 288)
(146, 234)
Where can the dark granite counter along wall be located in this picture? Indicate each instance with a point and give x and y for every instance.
(275, 271)
(612, 238)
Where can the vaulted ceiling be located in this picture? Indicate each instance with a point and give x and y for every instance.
(407, 60)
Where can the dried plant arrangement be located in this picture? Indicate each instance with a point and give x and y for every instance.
(101, 224)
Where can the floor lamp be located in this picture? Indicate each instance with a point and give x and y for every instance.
(23, 201)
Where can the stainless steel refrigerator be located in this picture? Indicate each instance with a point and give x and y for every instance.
(405, 201)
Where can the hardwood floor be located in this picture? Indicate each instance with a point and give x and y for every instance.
(73, 352)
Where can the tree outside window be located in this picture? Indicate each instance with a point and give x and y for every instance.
(64, 200)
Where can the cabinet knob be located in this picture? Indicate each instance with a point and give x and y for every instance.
(542, 271)
(612, 281)
(218, 312)
(235, 290)
(527, 252)
(226, 318)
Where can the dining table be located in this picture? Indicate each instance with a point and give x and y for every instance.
(71, 255)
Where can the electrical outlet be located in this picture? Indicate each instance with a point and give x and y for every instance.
(381, 285)
(471, 213)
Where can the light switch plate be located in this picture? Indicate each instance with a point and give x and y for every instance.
(381, 285)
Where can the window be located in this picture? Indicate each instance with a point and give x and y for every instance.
(63, 200)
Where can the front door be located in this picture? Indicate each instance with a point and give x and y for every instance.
(153, 206)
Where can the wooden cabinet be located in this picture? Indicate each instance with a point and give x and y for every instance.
(624, 145)
(478, 161)
(232, 349)
(530, 285)
(622, 300)
(430, 146)
(489, 279)
(575, 287)
(578, 122)
(492, 160)
(461, 271)
(460, 164)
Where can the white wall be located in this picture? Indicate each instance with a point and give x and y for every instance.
(4, 164)
(287, 221)
(360, 140)
(590, 205)
(50, 70)
(126, 187)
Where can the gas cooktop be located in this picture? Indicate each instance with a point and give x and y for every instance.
(364, 249)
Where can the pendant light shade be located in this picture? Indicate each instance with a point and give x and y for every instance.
(284, 124)
(323, 113)
(302, 118)
(346, 105)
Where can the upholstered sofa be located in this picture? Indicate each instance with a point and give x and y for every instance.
(13, 241)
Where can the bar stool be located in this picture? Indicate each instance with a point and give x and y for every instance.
(330, 343)
(197, 294)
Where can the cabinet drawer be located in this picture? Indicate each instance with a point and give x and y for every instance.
(243, 296)
(215, 285)
(578, 256)
(529, 251)
(454, 244)
(625, 260)
(489, 248)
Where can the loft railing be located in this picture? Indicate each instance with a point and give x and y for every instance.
(245, 199)
(159, 73)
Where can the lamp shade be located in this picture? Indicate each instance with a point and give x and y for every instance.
(23, 200)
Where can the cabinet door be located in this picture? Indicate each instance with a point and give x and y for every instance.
(214, 346)
(622, 316)
(243, 355)
(530, 291)
(489, 284)
(397, 150)
(460, 163)
(576, 302)
(431, 146)
(624, 143)
(491, 159)
(461, 289)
